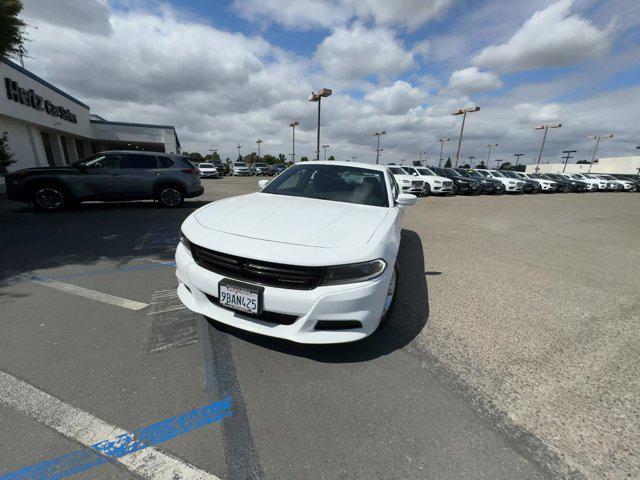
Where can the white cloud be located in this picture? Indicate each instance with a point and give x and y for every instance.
(531, 113)
(305, 14)
(551, 37)
(349, 53)
(89, 16)
(471, 80)
(396, 99)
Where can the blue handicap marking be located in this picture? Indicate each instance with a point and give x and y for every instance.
(125, 444)
(158, 238)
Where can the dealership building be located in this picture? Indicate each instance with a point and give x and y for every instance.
(46, 126)
(622, 165)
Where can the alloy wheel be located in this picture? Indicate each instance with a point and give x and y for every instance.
(49, 198)
(170, 197)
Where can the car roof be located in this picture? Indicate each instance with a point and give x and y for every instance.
(369, 166)
(140, 152)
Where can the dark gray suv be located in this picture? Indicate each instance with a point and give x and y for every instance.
(108, 176)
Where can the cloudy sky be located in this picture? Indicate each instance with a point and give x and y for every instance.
(229, 72)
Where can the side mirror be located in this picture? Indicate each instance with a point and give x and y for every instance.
(406, 199)
(262, 184)
(81, 166)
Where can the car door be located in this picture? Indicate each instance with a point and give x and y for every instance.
(99, 177)
(138, 174)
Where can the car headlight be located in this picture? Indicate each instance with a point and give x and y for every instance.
(354, 272)
(437, 182)
(463, 182)
(185, 241)
(513, 183)
(406, 181)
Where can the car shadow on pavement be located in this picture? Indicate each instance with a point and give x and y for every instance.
(408, 318)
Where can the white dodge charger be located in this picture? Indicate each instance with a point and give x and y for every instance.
(310, 258)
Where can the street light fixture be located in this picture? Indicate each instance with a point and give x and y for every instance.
(213, 152)
(544, 139)
(293, 126)
(491, 145)
(566, 159)
(498, 162)
(378, 134)
(597, 139)
(239, 147)
(317, 97)
(325, 150)
(258, 142)
(442, 140)
(463, 112)
(354, 158)
(518, 155)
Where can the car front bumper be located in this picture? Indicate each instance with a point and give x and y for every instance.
(361, 302)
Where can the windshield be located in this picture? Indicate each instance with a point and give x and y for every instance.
(397, 171)
(206, 165)
(260, 165)
(410, 170)
(239, 164)
(608, 177)
(332, 182)
(498, 174)
(425, 171)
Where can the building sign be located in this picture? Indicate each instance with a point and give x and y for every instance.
(29, 98)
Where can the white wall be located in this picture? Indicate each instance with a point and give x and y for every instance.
(24, 144)
(623, 165)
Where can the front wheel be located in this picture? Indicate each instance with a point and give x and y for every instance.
(50, 198)
(427, 190)
(390, 299)
(170, 196)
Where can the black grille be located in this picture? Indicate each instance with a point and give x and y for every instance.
(337, 325)
(265, 316)
(256, 271)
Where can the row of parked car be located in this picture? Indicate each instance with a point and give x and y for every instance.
(450, 181)
(218, 169)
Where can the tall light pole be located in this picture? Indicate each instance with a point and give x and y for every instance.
(544, 139)
(325, 150)
(471, 161)
(491, 145)
(518, 155)
(442, 140)
(239, 147)
(293, 126)
(498, 162)
(566, 159)
(378, 134)
(463, 112)
(258, 142)
(595, 150)
(317, 97)
(354, 158)
(213, 151)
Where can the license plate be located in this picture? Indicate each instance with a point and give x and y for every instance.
(240, 296)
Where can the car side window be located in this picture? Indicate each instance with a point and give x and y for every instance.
(165, 162)
(104, 161)
(143, 162)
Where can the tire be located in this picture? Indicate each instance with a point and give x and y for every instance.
(388, 309)
(427, 190)
(170, 196)
(50, 197)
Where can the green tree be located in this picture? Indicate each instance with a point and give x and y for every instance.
(12, 29)
(6, 157)
(282, 158)
(466, 165)
(506, 166)
(481, 165)
(583, 162)
(448, 163)
(251, 158)
(304, 159)
(331, 158)
(196, 157)
(212, 156)
(519, 168)
(269, 159)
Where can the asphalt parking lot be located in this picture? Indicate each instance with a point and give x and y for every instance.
(512, 353)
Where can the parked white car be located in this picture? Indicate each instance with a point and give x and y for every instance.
(591, 184)
(408, 183)
(510, 184)
(546, 185)
(600, 183)
(208, 170)
(310, 258)
(432, 183)
(240, 169)
(616, 183)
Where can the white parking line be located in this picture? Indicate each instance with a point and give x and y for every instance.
(90, 294)
(84, 428)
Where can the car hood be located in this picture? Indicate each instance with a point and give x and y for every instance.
(293, 220)
(406, 177)
(434, 177)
